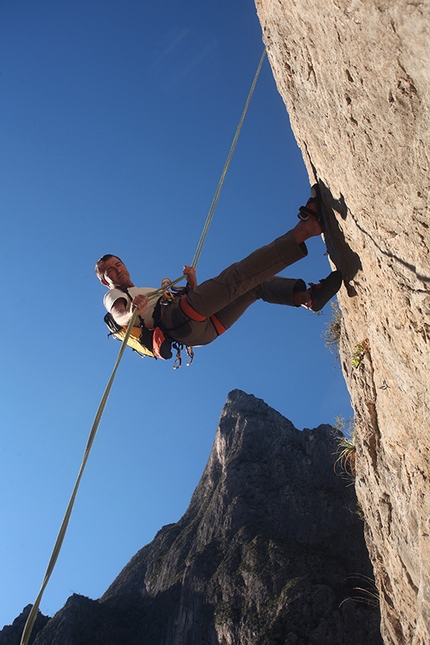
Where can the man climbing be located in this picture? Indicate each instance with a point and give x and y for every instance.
(207, 310)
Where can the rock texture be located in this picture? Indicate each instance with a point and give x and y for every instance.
(354, 75)
(269, 552)
(11, 634)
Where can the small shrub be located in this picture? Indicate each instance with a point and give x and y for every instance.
(368, 593)
(331, 333)
(359, 511)
(346, 448)
(360, 350)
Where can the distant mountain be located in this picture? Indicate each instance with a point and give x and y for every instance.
(268, 552)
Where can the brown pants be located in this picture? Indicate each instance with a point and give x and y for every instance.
(229, 294)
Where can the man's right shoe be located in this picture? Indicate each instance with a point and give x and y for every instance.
(324, 291)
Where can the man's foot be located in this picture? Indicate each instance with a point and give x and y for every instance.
(313, 208)
(324, 291)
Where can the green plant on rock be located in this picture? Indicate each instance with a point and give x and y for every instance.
(361, 349)
(346, 448)
(359, 511)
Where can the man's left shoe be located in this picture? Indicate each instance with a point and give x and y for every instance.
(324, 291)
(305, 212)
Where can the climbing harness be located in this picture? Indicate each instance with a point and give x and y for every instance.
(166, 288)
(155, 342)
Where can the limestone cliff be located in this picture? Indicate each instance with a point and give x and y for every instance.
(354, 75)
(270, 552)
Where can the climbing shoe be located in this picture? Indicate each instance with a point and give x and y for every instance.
(305, 212)
(324, 291)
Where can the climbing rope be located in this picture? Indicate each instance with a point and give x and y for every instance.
(62, 532)
(226, 165)
(154, 294)
(158, 292)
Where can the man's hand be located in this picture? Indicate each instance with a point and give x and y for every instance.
(190, 274)
(122, 313)
(140, 303)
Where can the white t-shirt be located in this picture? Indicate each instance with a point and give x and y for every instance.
(115, 294)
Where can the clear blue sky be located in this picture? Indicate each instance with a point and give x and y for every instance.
(116, 119)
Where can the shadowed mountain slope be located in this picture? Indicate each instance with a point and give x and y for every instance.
(268, 552)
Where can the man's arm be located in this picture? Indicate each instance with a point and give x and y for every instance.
(120, 312)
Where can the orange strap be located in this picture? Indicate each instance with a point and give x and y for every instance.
(218, 325)
(158, 339)
(192, 314)
(190, 311)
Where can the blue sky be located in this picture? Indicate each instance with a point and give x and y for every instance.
(117, 118)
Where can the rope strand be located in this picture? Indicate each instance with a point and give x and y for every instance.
(226, 165)
(62, 532)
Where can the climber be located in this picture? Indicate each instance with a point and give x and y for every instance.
(205, 311)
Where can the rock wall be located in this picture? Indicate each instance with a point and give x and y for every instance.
(270, 552)
(354, 75)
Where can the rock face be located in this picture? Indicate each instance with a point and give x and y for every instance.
(269, 552)
(354, 75)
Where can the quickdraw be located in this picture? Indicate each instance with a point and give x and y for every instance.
(178, 358)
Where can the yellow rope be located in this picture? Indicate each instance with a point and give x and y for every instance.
(154, 294)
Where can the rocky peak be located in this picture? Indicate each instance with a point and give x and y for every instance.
(270, 551)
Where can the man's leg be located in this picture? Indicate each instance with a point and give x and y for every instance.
(213, 295)
(276, 290)
(229, 294)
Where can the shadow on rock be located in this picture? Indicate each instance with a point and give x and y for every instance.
(341, 254)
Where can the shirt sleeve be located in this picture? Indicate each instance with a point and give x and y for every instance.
(112, 296)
